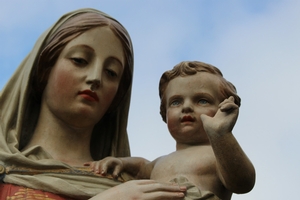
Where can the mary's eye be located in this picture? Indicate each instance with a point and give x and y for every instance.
(79, 61)
(202, 101)
(111, 73)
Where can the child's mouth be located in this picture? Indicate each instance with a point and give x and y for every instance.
(187, 118)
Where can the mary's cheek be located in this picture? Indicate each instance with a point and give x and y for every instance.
(109, 93)
(63, 82)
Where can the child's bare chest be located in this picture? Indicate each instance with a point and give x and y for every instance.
(192, 163)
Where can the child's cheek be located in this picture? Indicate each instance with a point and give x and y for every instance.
(212, 112)
(172, 120)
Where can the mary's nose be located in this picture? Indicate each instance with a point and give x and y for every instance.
(95, 84)
(94, 77)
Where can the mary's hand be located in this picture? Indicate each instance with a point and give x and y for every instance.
(142, 190)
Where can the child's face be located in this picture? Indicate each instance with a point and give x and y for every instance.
(186, 99)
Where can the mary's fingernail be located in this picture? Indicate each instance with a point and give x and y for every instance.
(181, 194)
(182, 188)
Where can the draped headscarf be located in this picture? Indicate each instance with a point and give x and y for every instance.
(18, 115)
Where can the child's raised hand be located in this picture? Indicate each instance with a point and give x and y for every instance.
(108, 165)
(224, 119)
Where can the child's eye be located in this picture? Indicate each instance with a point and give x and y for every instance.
(111, 73)
(79, 61)
(203, 101)
(175, 103)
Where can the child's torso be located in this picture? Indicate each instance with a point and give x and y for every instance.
(197, 164)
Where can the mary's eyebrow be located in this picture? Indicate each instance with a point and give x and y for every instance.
(82, 46)
(82, 49)
(113, 58)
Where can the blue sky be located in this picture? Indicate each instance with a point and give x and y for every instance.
(254, 43)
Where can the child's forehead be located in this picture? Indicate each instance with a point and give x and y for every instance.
(201, 81)
(199, 77)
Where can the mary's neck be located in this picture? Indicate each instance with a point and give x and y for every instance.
(61, 140)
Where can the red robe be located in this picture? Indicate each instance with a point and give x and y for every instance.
(9, 192)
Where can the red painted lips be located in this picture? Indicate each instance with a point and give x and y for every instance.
(89, 95)
(187, 118)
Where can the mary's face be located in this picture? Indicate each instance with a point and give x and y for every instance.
(85, 78)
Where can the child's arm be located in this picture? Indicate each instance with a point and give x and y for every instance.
(138, 167)
(234, 168)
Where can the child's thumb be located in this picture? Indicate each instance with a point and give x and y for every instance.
(204, 117)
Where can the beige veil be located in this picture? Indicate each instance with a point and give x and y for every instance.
(18, 115)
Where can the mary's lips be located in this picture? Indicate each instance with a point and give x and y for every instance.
(89, 95)
(187, 119)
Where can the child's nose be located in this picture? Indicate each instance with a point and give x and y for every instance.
(187, 107)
